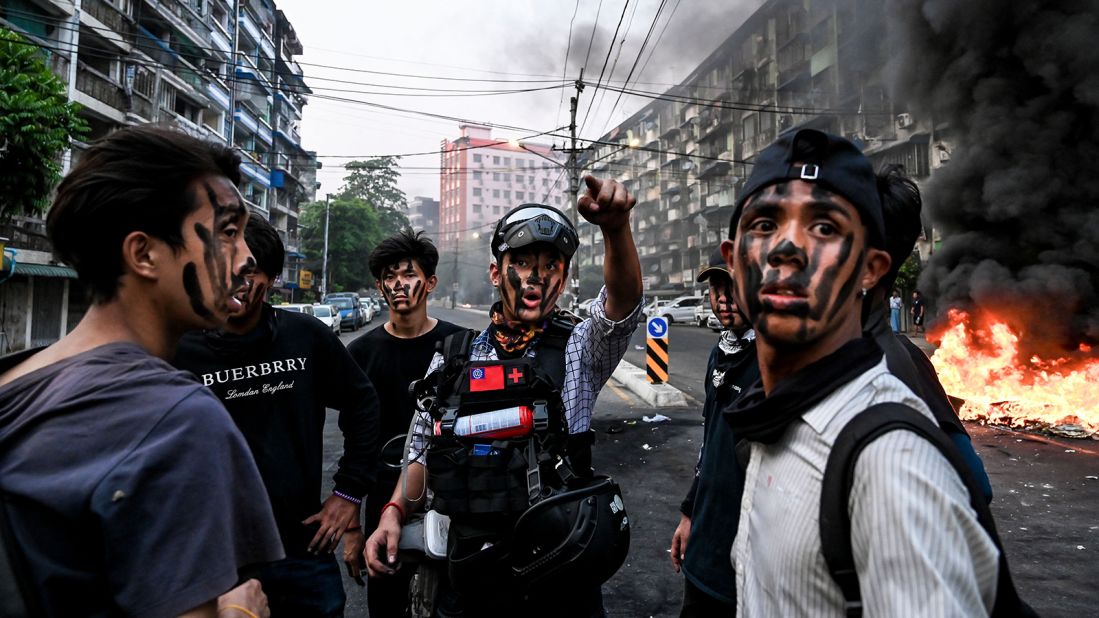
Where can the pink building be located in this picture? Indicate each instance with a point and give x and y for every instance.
(481, 178)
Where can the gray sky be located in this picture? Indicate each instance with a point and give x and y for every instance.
(486, 39)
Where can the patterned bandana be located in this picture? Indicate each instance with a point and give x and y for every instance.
(731, 344)
(510, 336)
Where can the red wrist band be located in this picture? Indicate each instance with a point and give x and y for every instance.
(396, 506)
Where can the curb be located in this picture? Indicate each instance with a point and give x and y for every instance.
(656, 395)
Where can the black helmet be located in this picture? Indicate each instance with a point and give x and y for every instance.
(580, 535)
(530, 223)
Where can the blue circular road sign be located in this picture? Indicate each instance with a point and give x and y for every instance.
(657, 328)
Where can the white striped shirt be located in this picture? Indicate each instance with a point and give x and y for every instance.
(918, 547)
(593, 351)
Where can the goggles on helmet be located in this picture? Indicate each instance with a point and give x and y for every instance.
(532, 223)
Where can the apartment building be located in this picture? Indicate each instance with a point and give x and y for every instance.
(687, 154)
(423, 215)
(480, 179)
(218, 70)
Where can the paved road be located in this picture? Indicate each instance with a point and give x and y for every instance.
(1046, 505)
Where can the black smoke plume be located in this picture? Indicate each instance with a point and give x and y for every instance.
(1013, 86)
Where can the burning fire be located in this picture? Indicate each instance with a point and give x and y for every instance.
(977, 361)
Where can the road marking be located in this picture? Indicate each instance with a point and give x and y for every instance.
(621, 393)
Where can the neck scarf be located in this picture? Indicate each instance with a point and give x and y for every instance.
(730, 343)
(510, 337)
(759, 417)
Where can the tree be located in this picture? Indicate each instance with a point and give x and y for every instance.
(353, 231)
(36, 123)
(909, 274)
(375, 181)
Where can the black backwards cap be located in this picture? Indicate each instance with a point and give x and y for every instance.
(527, 224)
(824, 159)
(715, 265)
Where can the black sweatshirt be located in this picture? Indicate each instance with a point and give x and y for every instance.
(276, 382)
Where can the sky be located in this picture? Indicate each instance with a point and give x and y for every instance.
(507, 44)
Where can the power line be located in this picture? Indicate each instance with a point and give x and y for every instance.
(610, 48)
(640, 52)
(591, 39)
(614, 65)
(565, 65)
(657, 44)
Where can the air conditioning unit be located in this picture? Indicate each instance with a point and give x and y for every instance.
(904, 120)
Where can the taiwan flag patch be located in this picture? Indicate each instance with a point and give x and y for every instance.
(486, 378)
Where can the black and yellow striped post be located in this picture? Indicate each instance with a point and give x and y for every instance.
(656, 350)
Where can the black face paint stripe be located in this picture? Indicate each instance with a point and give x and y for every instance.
(828, 277)
(215, 270)
(194, 291)
(849, 285)
(515, 282)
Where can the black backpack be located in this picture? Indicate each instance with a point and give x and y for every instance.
(835, 525)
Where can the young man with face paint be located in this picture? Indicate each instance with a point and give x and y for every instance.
(806, 244)
(532, 246)
(125, 485)
(392, 356)
(709, 513)
(276, 373)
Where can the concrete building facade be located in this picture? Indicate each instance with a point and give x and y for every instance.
(687, 154)
(423, 215)
(216, 69)
(480, 179)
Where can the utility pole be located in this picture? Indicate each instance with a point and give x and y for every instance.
(74, 42)
(572, 167)
(324, 261)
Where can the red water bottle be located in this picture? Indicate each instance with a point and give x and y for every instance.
(515, 422)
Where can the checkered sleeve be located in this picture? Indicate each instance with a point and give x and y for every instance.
(593, 352)
(421, 429)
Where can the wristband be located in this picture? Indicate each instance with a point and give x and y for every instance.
(350, 499)
(400, 510)
(243, 610)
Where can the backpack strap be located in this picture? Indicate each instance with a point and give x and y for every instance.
(550, 359)
(839, 475)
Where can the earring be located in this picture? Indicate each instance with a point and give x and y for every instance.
(865, 292)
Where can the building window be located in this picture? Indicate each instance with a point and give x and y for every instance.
(495, 210)
(496, 175)
(507, 161)
(476, 192)
(495, 193)
(496, 160)
(545, 182)
(530, 179)
(476, 175)
(519, 195)
(507, 177)
(507, 195)
(476, 158)
(476, 209)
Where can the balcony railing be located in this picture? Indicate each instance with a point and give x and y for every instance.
(99, 87)
(108, 15)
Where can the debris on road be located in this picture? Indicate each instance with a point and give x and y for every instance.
(646, 447)
(656, 418)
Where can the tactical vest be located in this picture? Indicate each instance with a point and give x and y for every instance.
(478, 479)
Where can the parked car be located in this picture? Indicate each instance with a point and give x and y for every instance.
(347, 303)
(713, 323)
(296, 308)
(651, 309)
(379, 306)
(368, 310)
(584, 308)
(681, 309)
(329, 315)
(702, 313)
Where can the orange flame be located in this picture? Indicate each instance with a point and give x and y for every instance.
(977, 361)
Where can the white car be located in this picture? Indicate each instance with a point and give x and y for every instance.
(368, 310)
(702, 312)
(651, 309)
(681, 309)
(329, 315)
(296, 308)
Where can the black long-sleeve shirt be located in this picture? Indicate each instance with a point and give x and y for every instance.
(276, 382)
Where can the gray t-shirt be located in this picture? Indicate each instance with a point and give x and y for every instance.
(127, 487)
